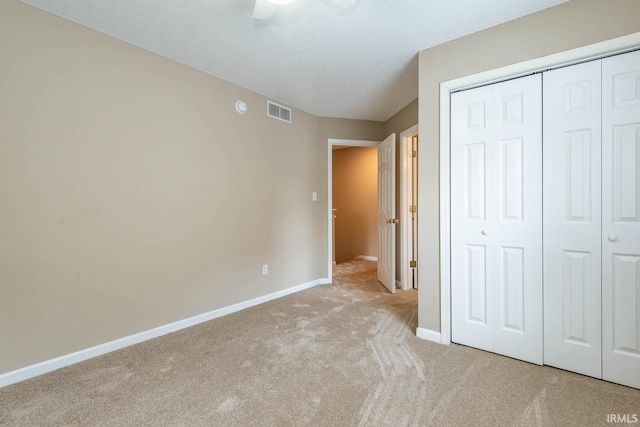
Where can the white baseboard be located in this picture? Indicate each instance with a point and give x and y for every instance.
(367, 257)
(31, 371)
(324, 281)
(398, 284)
(429, 335)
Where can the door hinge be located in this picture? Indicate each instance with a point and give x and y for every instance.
(413, 264)
(413, 153)
(413, 209)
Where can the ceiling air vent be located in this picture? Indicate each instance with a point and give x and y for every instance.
(278, 112)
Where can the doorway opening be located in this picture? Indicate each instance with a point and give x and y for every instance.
(384, 217)
(355, 201)
(334, 213)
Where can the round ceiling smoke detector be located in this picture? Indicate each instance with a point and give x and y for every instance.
(241, 107)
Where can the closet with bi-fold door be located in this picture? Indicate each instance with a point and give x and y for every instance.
(545, 218)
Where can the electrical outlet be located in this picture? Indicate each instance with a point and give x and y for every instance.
(265, 269)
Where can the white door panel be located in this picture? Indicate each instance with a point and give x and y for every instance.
(387, 212)
(572, 218)
(496, 218)
(472, 193)
(621, 219)
(517, 224)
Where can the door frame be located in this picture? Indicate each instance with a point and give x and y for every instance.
(562, 59)
(405, 216)
(330, 143)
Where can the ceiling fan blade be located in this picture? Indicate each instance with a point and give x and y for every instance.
(264, 9)
(345, 3)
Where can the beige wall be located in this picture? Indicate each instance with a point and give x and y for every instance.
(567, 26)
(402, 120)
(398, 123)
(350, 129)
(355, 195)
(133, 195)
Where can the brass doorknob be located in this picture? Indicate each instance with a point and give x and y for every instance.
(392, 221)
(388, 221)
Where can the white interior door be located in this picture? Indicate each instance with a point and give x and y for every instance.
(621, 219)
(517, 225)
(572, 218)
(387, 213)
(472, 212)
(496, 218)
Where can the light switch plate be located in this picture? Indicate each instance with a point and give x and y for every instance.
(314, 196)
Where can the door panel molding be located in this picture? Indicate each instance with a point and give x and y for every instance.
(572, 218)
(621, 219)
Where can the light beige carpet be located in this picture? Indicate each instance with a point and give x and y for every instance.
(337, 355)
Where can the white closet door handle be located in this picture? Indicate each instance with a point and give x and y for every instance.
(612, 237)
(484, 232)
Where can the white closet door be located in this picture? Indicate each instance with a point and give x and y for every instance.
(572, 218)
(471, 209)
(517, 223)
(496, 218)
(621, 219)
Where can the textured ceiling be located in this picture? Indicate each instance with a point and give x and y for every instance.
(359, 63)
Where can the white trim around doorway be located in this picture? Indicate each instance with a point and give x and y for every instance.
(330, 143)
